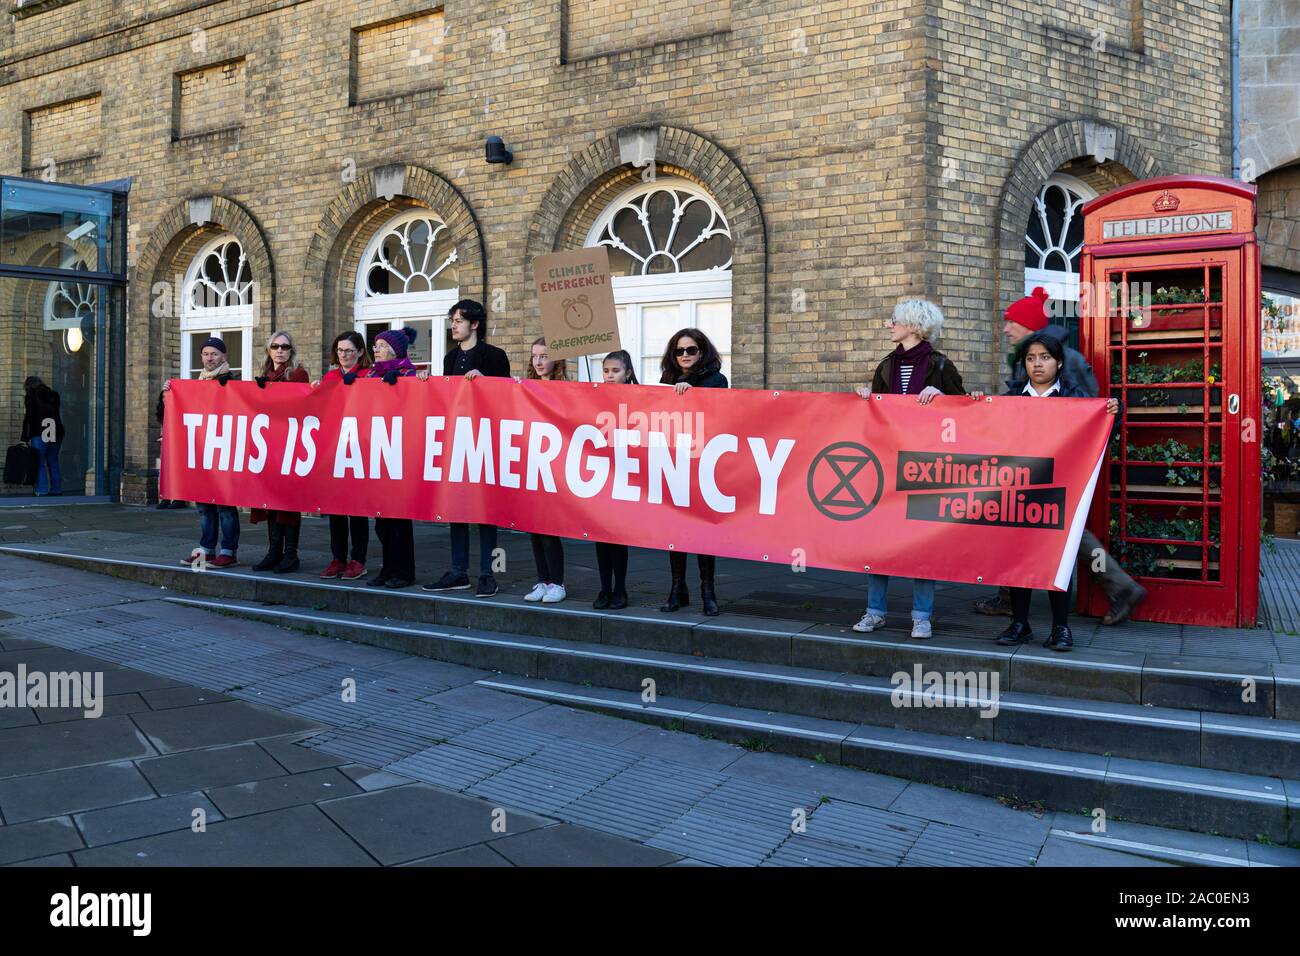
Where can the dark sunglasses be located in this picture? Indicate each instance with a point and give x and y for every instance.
(279, 345)
(689, 350)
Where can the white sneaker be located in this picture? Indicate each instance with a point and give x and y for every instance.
(870, 621)
(921, 630)
(554, 594)
(537, 593)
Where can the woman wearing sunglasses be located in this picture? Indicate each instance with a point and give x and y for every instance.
(691, 361)
(282, 527)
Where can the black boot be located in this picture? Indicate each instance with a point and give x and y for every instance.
(275, 550)
(708, 599)
(1060, 639)
(618, 599)
(1017, 633)
(602, 600)
(678, 597)
(290, 560)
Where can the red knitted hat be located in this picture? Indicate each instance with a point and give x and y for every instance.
(1031, 311)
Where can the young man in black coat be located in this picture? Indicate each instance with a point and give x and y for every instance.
(471, 357)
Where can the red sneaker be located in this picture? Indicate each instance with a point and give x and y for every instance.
(332, 570)
(223, 561)
(196, 555)
(354, 570)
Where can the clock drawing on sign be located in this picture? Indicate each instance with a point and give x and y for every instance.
(577, 313)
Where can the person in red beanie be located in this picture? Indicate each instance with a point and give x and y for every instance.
(1023, 318)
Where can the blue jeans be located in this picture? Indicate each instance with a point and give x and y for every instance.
(487, 543)
(49, 455)
(210, 516)
(922, 596)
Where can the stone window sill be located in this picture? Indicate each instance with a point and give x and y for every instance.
(22, 11)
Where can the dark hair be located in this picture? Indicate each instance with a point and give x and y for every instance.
(473, 311)
(708, 362)
(560, 370)
(1049, 342)
(32, 382)
(363, 355)
(622, 356)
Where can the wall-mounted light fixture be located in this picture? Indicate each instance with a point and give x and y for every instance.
(496, 151)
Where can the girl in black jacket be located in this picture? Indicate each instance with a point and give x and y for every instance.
(691, 361)
(1043, 358)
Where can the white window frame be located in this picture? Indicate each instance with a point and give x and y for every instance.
(1063, 286)
(214, 320)
(398, 308)
(691, 289)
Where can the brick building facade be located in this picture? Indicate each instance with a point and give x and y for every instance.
(849, 154)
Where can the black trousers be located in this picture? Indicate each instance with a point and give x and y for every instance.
(1059, 600)
(397, 539)
(611, 561)
(357, 528)
(548, 553)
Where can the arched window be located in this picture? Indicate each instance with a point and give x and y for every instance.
(218, 299)
(71, 306)
(670, 252)
(408, 276)
(1054, 237)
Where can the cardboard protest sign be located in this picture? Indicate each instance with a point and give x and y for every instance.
(577, 302)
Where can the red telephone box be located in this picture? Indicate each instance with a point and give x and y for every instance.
(1170, 320)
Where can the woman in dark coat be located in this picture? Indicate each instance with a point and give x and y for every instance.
(282, 527)
(914, 367)
(1042, 356)
(43, 429)
(691, 361)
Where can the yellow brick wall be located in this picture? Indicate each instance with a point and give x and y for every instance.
(594, 27)
(397, 57)
(61, 132)
(209, 99)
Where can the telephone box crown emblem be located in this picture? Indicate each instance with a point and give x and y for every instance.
(1165, 202)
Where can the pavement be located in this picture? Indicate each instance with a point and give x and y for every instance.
(225, 741)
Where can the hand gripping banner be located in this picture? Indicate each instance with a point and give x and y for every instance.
(993, 491)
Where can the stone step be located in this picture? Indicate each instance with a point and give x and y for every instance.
(1249, 806)
(967, 710)
(1202, 684)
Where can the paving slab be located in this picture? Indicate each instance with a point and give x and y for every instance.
(289, 752)
(684, 748)
(297, 836)
(407, 823)
(482, 855)
(145, 818)
(974, 812)
(369, 779)
(859, 786)
(36, 749)
(568, 845)
(216, 767)
(36, 796)
(186, 728)
(1062, 852)
(579, 724)
(275, 793)
(490, 703)
(181, 695)
(27, 841)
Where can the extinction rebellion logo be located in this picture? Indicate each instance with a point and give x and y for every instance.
(845, 482)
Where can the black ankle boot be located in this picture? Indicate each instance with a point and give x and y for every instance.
(1060, 639)
(602, 600)
(618, 600)
(708, 599)
(678, 597)
(289, 562)
(275, 550)
(1018, 633)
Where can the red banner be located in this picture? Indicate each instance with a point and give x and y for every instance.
(993, 491)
